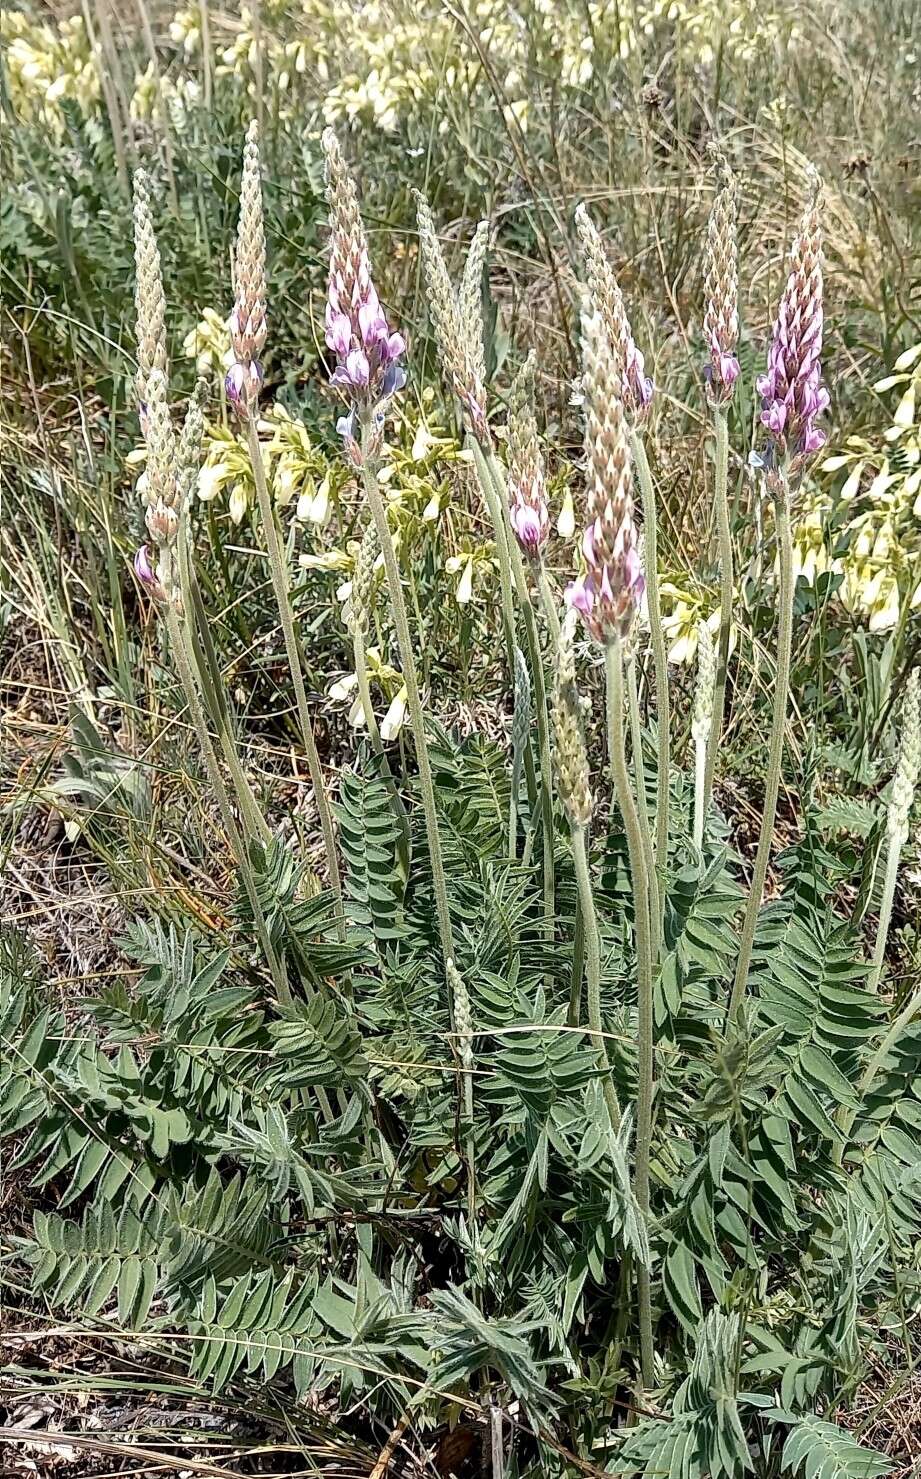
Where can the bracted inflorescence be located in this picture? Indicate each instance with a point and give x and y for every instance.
(367, 353)
(905, 780)
(527, 489)
(610, 592)
(721, 290)
(608, 301)
(364, 582)
(457, 317)
(569, 752)
(706, 683)
(792, 393)
(248, 328)
(162, 491)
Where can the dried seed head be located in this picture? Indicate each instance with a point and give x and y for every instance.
(367, 354)
(456, 319)
(706, 683)
(364, 582)
(608, 301)
(908, 766)
(528, 511)
(463, 1017)
(569, 751)
(610, 592)
(248, 328)
(792, 393)
(721, 288)
(150, 303)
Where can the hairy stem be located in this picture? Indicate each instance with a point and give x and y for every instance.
(659, 656)
(280, 584)
(636, 740)
(775, 750)
(413, 701)
(593, 970)
(645, 1020)
(721, 504)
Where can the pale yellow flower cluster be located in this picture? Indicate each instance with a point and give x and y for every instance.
(881, 496)
(48, 64)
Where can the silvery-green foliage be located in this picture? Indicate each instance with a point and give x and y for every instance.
(177, 1137)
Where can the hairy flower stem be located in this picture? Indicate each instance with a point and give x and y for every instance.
(614, 666)
(721, 504)
(179, 642)
(280, 584)
(413, 701)
(775, 748)
(593, 969)
(574, 1015)
(636, 740)
(205, 666)
(492, 483)
(660, 660)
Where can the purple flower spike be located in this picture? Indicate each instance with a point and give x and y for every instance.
(147, 575)
(792, 393)
(243, 382)
(356, 326)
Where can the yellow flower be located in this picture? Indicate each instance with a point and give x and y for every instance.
(208, 343)
(395, 715)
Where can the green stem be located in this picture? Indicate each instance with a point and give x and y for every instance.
(721, 504)
(636, 739)
(775, 750)
(574, 1015)
(205, 665)
(659, 656)
(593, 970)
(551, 614)
(413, 701)
(280, 584)
(645, 1018)
(184, 665)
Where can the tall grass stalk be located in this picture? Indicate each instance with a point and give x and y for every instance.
(592, 945)
(660, 659)
(775, 744)
(183, 660)
(639, 770)
(408, 667)
(280, 584)
(614, 668)
(721, 505)
(492, 483)
(205, 666)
